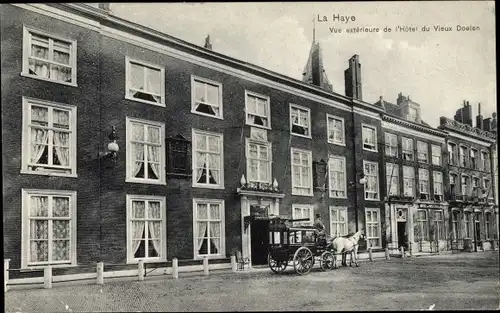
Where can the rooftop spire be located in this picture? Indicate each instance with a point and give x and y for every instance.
(314, 30)
(314, 72)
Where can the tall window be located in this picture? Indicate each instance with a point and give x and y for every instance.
(338, 221)
(475, 187)
(145, 151)
(422, 229)
(335, 128)
(487, 187)
(49, 138)
(473, 159)
(453, 184)
(409, 181)
(371, 186)
(208, 225)
(146, 228)
(302, 211)
(423, 182)
(468, 224)
(392, 173)
(145, 82)
(422, 152)
(436, 155)
(485, 164)
(369, 137)
(487, 225)
(391, 145)
(407, 148)
(206, 97)
(463, 156)
(49, 228)
(300, 121)
(455, 219)
(301, 172)
(438, 185)
(258, 112)
(372, 217)
(452, 153)
(49, 57)
(337, 174)
(465, 185)
(439, 230)
(207, 159)
(259, 161)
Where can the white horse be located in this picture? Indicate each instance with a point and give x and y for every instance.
(342, 245)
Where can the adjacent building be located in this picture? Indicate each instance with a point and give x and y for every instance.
(122, 144)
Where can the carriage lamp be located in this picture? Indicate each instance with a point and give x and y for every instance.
(113, 146)
(363, 179)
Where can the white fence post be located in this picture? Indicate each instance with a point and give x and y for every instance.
(140, 269)
(100, 273)
(205, 266)
(175, 268)
(233, 263)
(402, 252)
(47, 277)
(6, 273)
(370, 255)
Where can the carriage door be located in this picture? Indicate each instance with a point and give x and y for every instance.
(259, 233)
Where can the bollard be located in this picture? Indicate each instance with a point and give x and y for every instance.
(493, 245)
(175, 268)
(411, 250)
(233, 263)
(205, 266)
(387, 256)
(6, 273)
(47, 277)
(100, 273)
(402, 252)
(370, 255)
(140, 269)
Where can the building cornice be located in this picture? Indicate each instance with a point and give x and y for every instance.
(464, 129)
(412, 128)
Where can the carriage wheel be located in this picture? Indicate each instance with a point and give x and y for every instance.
(303, 261)
(276, 266)
(326, 261)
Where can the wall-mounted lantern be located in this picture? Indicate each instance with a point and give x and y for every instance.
(113, 146)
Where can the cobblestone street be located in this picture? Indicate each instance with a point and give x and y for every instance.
(441, 282)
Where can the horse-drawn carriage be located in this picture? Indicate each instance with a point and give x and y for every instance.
(298, 246)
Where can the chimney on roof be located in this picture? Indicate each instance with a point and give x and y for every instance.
(487, 124)
(207, 45)
(352, 79)
(105, 7)
(400, 99)
(382, 103)
(494, 122)
(479, 117)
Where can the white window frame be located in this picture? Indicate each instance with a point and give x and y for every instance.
(439, 228)
(406, 150)
(128, 84)
(468, 224)
(220, 185)
(268, 103)
(411, 117)
(130, 157)
(163, 218)
(330, 176)
(222, 250)
(425, 152)
(487, 224)
(27, 31)
(193, 96)
(436, 155)
(309, 166)
(365, 163)
(392, 174)
(421, 172)
(300, 109)
(25, 226)
(421, 223)
(435, 181)
(374, 128)
(379, 237)
(467, 190)
(302, 208)
(475, 158)
(389, 148)
(51, 170)
(405, 177)
(259, 143)
(455, 224)
(329, 130)
(487, 187)
(452, 153)
(465, 154)
(484, 155)
(340, 211)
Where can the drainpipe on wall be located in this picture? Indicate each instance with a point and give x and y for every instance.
(355, 167)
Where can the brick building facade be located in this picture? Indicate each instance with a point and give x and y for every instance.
(206, 146)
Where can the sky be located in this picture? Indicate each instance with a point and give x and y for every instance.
(438, 70)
